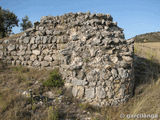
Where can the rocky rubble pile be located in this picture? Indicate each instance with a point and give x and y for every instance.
(89, 49)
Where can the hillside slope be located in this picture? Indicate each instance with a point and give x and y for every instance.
(148, 37)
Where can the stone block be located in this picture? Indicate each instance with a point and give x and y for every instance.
(100, 92)
(11, 47)
(89, 93)
(36, 52)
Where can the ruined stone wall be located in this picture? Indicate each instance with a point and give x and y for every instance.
(90, 50)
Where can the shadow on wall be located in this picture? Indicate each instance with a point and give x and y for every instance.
(146, 71)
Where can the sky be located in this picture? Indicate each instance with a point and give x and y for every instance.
(134, 16)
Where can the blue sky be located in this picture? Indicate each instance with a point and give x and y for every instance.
(134, 16)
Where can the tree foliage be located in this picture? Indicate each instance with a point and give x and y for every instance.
(8, 20)
(26, 23)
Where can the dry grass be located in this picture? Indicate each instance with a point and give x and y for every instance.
(13, 81)
(149, 51)
(14, 106)
(12, 36)
(152, 44)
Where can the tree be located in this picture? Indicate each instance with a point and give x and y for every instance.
(8, 20)
(26, 23)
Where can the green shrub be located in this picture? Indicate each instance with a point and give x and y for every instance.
(54, 80)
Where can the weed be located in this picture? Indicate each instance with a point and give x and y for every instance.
(3, 103)
(34, 107)
(21, 78)
(86, 60)
(95, 119)
(59, 91)
(84, 106)
(53, 113)
(20, 69)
